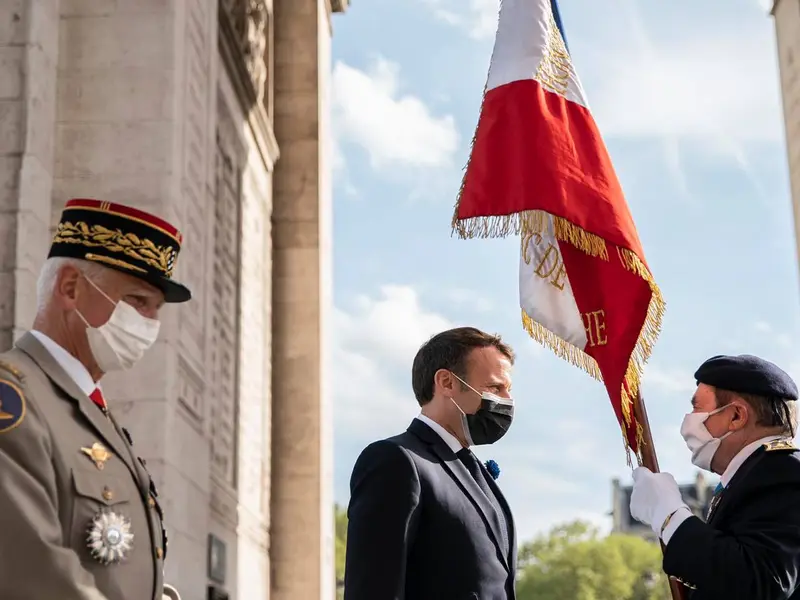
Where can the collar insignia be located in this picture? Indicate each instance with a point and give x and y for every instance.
(779, 445)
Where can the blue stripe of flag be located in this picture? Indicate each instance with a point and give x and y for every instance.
(559, 24)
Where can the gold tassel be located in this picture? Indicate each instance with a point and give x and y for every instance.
(535, 222)
(531, 221)
(560, 347)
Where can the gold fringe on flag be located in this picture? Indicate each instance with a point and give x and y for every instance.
(530, 221)
(536, 221)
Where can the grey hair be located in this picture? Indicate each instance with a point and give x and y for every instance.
(48, 276)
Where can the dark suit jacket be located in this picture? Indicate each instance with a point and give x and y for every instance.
(750, 547)
(420, 528)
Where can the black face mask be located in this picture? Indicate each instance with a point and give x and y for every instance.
(490, 422)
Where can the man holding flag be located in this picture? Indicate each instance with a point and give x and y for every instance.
(741, 426)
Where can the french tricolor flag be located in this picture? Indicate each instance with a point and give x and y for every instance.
(539, 169)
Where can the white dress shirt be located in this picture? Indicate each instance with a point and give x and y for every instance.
(449, 439)
(71, 365)
(684, 513)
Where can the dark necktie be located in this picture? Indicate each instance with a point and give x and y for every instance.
(470, 461)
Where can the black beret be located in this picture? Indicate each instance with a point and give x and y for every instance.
(746, 374)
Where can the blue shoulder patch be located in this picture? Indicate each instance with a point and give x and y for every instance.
(12, 405)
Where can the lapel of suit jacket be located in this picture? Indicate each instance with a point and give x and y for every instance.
(462, 477)
(736, 480)
(504, 506)
(33, 348)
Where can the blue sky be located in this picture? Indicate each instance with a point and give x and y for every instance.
(686, 94)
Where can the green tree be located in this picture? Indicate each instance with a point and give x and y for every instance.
(340, 520)
(574, 562)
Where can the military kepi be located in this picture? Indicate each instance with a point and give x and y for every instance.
(747, 374)
(122, 238)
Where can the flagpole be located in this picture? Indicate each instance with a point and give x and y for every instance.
(650, 460)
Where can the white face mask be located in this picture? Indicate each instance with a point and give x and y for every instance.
(699, 440)
(123, 340)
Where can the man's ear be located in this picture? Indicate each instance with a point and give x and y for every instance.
(742, 415)
(67, 288)
(444, 382)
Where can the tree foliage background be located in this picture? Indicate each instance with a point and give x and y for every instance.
(572, 561)
(340, 520)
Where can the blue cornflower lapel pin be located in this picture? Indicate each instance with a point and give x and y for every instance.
(493, 468)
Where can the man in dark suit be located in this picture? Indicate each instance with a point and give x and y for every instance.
(426, 519)
(741, 427)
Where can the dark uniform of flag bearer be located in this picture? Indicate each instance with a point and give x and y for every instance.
(81, 518)
(741, 427)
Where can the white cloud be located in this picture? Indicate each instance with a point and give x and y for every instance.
(669, 380)
(464, 298)
(374, 343)
(711, 87)
(709, 90)
(393, 128)
(766, 330)
(391, 327)
(695, 91)
(478, 18)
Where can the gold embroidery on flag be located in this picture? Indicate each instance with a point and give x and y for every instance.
(550, 265)
(594, 323)
(555, 70)
(532, 224)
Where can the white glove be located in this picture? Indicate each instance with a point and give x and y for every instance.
(655, 496)
(170, 593)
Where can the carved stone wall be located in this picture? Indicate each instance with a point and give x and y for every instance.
(225, 304)
(246, 151)
(29, 48)
(167, 105)
(249, 25)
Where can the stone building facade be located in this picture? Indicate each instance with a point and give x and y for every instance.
(786, 14)
(214, 115)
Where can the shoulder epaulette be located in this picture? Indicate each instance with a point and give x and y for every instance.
(12, 370)
(778, 445)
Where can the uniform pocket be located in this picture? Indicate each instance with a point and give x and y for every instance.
(100, 527)
(103, 489)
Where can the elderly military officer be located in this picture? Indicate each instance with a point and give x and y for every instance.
(741, 428)
(80, 515)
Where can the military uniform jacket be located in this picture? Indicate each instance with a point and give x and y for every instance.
(749, 549)
(52, 488)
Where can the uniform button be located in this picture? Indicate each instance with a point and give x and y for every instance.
(151, 501)
(108, 494)
(159, 553)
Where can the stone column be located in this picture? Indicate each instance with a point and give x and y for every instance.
(787, 29)
(28, 56)
(301, 540)
(136, 125)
